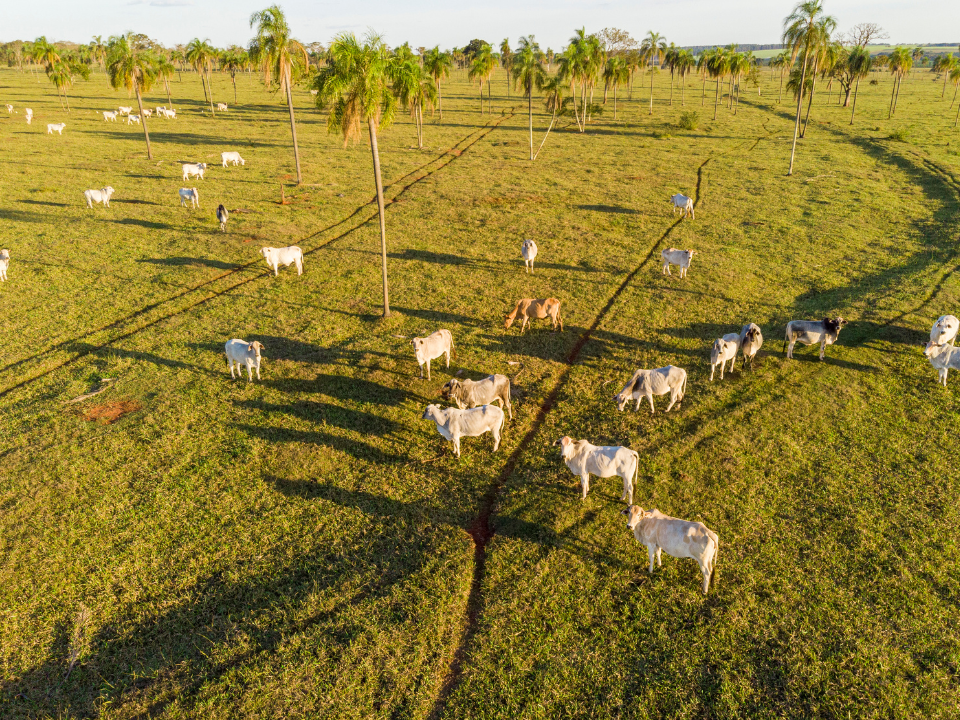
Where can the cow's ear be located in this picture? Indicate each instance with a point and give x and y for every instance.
(625, 512)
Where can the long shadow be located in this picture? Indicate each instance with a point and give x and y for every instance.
(183, 138)
(327, 415)
(180, 261)
(143, 223)
(617, 209)
(21, 216)
(360, 450)
(347, 388)
(133, 202)
(43, 202)
(440, 317)
(112, 351)
(432, 257)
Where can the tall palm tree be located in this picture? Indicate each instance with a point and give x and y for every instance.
(632, 60)
(165, 70)
(356, 80)
(718, 65)
(98, 50)
(670, 61)
(782, 62)
(199, 54)
(481, 67)
(62, 74)
(414, 88)
(685, 63)
(438, 64)
(574, 67)
(944, 64)
(858, 63)
(615, 74)
(279, 57)
(901, 61)
(800, 33)
(134, 68)
(955, 79)
(553, 89)
(822, 55)
(526, 65)
(233, 61)
(652, 50)
(505, 57)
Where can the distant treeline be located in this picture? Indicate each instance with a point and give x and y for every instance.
(697, 49)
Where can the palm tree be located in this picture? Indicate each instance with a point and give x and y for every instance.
(481, 67)
(783, 62)
(356, 80)
(98, 50)
(62, 73)
(233, 61)
(279, 56)
(955, 79)
(800, 33)
(526, 65)
(901, 61)
(858, 63)
(685, 63)
(179, 58)
(574, 68)
(615, 74)
(553, 97)
(632, 60)
(505, 56)
(134, 68)
(165, 70)
(944, 64)
(414, 88)
(438, 64)
(718, 65)
(822, 56)
(199, 54)
(670, 61)
(652, 50)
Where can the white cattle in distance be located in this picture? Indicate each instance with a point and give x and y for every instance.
(529, 252)
(285, 256)
(431, 347)
(454, 423)
(125, 110)
(672, 256)
(133, 119)
(109, 116)
(647, 383)
(221, 106)
(240, 353)
(232, 157)
(55, 126)
(944, 330)
(98, 196)
(190, 194)
(29, 115)
(584, 460)
(191, 169)
(682, 203)
(725, 348)
(4, 263)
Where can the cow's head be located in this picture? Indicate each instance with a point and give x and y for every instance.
(266, 252)
(202, 166)
(634, 515)
(933, 349)
(451, 388)
(108, 190)
(833, 326)
(418, 349)
(751, 334)
(256, 346)
(690, 253)
(566, 446)
(508, 321)
(430, 413)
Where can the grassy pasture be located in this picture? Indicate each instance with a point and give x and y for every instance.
(305, 546)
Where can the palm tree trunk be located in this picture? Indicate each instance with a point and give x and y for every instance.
(651, 90)
(233, 76)
(671, 88)
(481, 98)
(958, 116)
(717, 102)
(210, 85)
(855, 91)
(893, 90)
(383, 225)
(439, 99)
(703, 91)
(944, 91)
(683, 86)
(781, 87)
(897, 98)
(549, 128)
(813, 89)
(143, 122)
(614, 102)
(167, 86)
(796, 127)
(530, 111)
(203, 84)
(293, 129)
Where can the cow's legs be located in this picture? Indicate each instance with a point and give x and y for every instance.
(650, 398)
(659, 560)
(674, 394)
(428, 369)
(712, 368)
(299, 266)
(652, 553)
(523, 326)
(707, 572)
(230, 363)
(627, 490)
(456, 446)
(496, 436)
(790, 349)
(448, 358)
(585, 485)
(823, 346)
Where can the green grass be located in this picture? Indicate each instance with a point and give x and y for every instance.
(302, 546)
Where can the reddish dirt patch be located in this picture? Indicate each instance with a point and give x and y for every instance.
(456, 152)
(111, 411)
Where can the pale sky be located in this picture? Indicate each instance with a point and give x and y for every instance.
(453, 24)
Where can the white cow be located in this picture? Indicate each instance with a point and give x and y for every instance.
(682, 203)
(240, 353)
(171, 114)
(469, 393)
(9, 108)
(191, 169)
(161, 110)
(584, 460)
(285, 256)
(944, 330)
(190, 194)
(55, 126)
(647, 383)
(529, 252)
(454, 423)
(109, 116)
(135, 119)
(751, 339)
(98, 196)
(29, 114)
(679, 538)
(432, 347)
(125, 110)
(725, 348)
(811, 332)
(221, 106)
(672, 256)
(232, 157)
(147, 112)
(943, 358)
(4, 263)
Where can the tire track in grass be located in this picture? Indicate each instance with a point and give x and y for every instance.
(444, 159)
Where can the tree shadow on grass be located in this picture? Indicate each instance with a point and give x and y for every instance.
(43, 202)
(180, 261)
(326, 414)
(349, 389)
(113, 351)
(358, 449)
(615, 209)
(22, 216)
(142, 223)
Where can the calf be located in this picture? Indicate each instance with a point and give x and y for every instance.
(469, 394)
(191, 169)
(529, 252)
(240, 353)
(221, 106)
(222, 216)
(679, 538)
(810, 332)
(98, 196)
(55, 126)
(672, 256)
(943, 358)
(682, 203)
(9, 108)
(135, 119)
(4, 263)
(724, 349)
(647, 383)
(190, 194)
(584, 460)
(109, 116)
(285, 256)
(529, 309)
(29, 115)
(750, 341)
(125, 110)
(454, 423)
(432, 347)
(233, 157)
(944, 330)
(147, 112)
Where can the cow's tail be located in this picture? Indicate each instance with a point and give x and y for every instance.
(716, 542)
(683, 390)
(453, 348)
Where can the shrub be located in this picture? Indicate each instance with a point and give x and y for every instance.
(689, 120)
(900, 135)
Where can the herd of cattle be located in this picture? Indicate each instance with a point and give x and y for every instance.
(476, 412)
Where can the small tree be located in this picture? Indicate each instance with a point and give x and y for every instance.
(134, 68)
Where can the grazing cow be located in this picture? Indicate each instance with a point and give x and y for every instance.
(240, 353)
(222, 216)
(98, 196)
(221, 106)
(135, 119)
(29, 115)
(9, 108)
(682, 203)
(724, 349)
(584, 460)
(170, 114)
(750, 341)
(4, 263)
(161, 110)
(125, 110)
(432, 347)
(469, 393)
(944, 330)
(647, 383)
(190, 194)
(810, 332)
(191, 169)
(147, 112)
(56, 126)
(233, 157)
(679, 538)
(454, 423)
(109, 116)
(943, 358)
(672, 256)
(529, 309)
(529, 252)
(285, 256)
